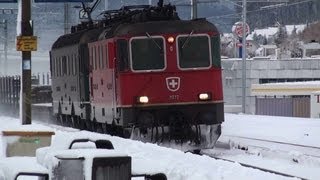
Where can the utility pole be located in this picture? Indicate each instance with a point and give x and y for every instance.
(194, 11)
(106, 4)
(66, 18)
(26, 30)
(244, 47)
(5, 28)
(5, 44)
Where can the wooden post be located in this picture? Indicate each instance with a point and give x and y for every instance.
(26, 30)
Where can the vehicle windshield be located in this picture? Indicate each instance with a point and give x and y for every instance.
(147, 54)
(194, 51)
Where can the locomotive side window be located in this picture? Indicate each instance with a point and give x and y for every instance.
(215, 46)
(75, 64)
(122, 55)
(147, 53)
(69, 65)
(99, 57)
(76, 60)
(95, 58)
(194, 51)
(106, 59)
(72, 63)
(64, 65)
(53, 67)
(59, 66)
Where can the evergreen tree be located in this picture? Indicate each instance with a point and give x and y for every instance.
(265, 40)
(281, 35)
(294, 32)
(255, 37)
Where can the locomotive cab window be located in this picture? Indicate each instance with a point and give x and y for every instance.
(194, 51)
(122, 55)
(147, 53)
(215, 46)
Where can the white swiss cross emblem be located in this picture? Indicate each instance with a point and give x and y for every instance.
(173, 83)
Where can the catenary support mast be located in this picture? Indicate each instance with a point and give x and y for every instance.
(26, 30)
(244, 46)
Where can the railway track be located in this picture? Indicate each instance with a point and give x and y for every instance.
(295, 160)
(246, 142)
(258, 168)
(221, 153)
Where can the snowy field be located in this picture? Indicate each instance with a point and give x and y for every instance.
(186, 166)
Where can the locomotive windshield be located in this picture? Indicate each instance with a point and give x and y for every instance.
(194, 51)
(147, 53)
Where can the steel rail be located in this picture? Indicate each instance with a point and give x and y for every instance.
(256, 167)
(278, 142)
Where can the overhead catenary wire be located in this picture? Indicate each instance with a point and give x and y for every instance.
(258, 10)
(249, 1)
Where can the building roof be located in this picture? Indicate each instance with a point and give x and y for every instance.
(285, 89)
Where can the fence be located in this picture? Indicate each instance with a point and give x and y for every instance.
(10, 91)
(41, 79)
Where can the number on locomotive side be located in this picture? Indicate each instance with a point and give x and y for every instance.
(174, 97)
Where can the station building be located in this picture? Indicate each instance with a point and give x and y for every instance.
(261, 72)
(292, 99)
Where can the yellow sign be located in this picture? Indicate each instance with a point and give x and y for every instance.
(26, 43)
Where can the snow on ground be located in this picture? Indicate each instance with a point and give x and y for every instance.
(281, 158)
(304, 131)
(177, 165)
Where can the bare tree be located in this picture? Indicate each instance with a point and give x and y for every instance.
(311, 33)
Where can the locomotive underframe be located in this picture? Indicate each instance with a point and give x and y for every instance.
(195, 113)
(190, 124)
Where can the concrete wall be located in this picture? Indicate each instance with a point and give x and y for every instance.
(262, 69)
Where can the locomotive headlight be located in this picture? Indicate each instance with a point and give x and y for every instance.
(170, 39)
(204, 96)
(143, 99)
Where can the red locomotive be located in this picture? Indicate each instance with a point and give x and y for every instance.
(143, 73)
